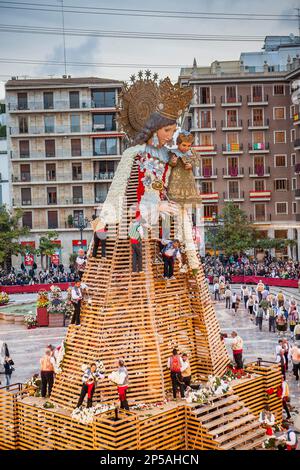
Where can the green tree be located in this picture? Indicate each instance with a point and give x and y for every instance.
(236, 234)
(47, 247)
(10, 233)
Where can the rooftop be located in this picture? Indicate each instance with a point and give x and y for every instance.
(64, 81)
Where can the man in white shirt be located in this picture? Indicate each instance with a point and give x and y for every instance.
(228, 295)
(217, 290)
(76, 298)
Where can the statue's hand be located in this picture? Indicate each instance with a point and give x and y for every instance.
(188, 166)
(168, 207)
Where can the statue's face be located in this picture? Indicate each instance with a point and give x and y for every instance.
(184, 146)
(165, 134)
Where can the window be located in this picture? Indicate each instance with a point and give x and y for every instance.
(233, 166)
(231, 94)
(257, 93)
(77, 195)
(206, 167)
(278, 90)
(257, 117)
(48, 100)
(50, 171)
(104, 122)
(49, 124)
(281, 208)
(27, 219)
(104, 170)
(24, 148)
(22, 101)
(76, 147)
(294, 207)
(23, 125)
(293, 159)
(205, 119)
(206, 139)
(259, 185)
(233, 189)
(74, 99)
(204, 95)
(76, 171)
(103, 98)
(52, 195)
(293, 135)
(279, 137)
(25, 172)
(50, 148)
(259, 165)
(207, 187)
(78, 217)
(209, 210)
(280, 160)
(26, 196)
(52, 219)
(279, 113)
(258, 137)
(101, 190)
(231, 118)
(260, 212)
(281, 184)
(294, 183)
(75, 122)
(105, 146)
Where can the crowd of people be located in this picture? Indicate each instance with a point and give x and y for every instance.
(246, 266)
(33, 275)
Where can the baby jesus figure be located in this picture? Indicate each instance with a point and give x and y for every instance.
(182, 187)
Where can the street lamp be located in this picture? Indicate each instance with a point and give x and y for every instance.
(81, 223)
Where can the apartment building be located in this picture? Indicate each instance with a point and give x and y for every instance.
(246, 132)
(64, 147)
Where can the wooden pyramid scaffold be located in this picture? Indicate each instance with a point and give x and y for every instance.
(141, 318)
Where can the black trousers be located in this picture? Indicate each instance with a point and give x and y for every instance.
(272, 324)
(177, 382)
(137, 257)
(217, 295)
(296, 369)
(286, 355)
(83, 393)
(286, 408)
(228, 302)
(238, 358)
(76, 314)
(246, 300)
(260, 322)
(186, 381)
(250, 308)
(168, 266)
(96, 246)
(47, 378)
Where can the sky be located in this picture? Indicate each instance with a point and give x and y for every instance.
(145, 53)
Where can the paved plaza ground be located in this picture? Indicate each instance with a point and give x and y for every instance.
(27, 346)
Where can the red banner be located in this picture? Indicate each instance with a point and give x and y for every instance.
(28, 257)
(56, 256)
(33, 288)
(269, 281)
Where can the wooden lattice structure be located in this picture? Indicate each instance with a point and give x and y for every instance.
(227, 423)
(141, 317)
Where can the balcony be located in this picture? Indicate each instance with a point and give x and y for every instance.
(228, 149)
(100, 198)
(207, 126)
(259, 171)
(296, 119)
(209, 103)
(60, 130)
(205, 149)
(259, 218)
(297, 194)
(61, 154)
(233, 172)
(234, 196)
(258, 100)
(38, 203)
(258, 125)
(297, 168)
(26, 202)
(207, 172)
(209, 197)
(261, 147)
(257, 196)
(58, 105)
(104, 176)
(297, 144)
(231, 101)
(232, 126)
(25, 177)
(57, 178)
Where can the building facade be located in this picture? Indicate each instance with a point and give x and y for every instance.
(64, 148)
(246, 133)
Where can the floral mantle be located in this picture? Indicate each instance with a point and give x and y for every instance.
(86, 415)
(215, 387)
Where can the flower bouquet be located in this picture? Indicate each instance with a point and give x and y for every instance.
(86, 415)
(42, 299)
(48, 405)
(30, 320)
(269, 443)
(33, 386)
(4, 298)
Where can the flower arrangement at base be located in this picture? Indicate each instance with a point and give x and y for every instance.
(215, 387)
(42, 299)
(4, 298)
(30, 320)
(33, 386)
(269, 443)
(48, 405)
(56, 302)
(86, 415)
(147, 406)
(233, 373)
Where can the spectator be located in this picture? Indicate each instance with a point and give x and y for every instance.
(8, 369)
(295, 357)
(228, 297)
(217, 290)
(237, 349)
(260, 316)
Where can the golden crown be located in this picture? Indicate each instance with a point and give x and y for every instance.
(173, 99)
(145, 96)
